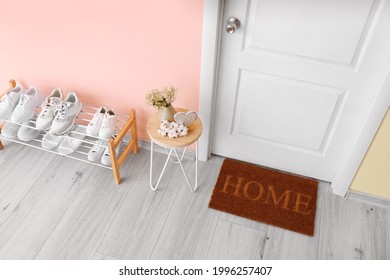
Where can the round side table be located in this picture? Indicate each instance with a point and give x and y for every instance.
(172, 144)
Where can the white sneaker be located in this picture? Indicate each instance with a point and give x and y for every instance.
(25, 109)
(96, 152)
(94, 126)
(73, 143)
(9, 101)
(50, 141)
(46, 116)
(106, 160)
(108, 125)
(65, 114)
(27, 132)
(10, 130)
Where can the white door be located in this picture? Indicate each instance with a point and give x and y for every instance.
(296, 79)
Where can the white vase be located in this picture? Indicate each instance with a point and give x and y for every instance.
(167, 113)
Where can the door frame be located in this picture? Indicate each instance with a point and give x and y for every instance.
(211, 41)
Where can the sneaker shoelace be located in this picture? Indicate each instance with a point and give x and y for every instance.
(98, 145)
(109, 122)
(62, 110)
(6, 99)
(51, 105)
(96, 117)
(23, 101)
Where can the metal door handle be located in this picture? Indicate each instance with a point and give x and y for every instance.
(232, 25)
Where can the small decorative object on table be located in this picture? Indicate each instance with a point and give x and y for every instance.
(162, 99)
(186, 118)
(172, 129)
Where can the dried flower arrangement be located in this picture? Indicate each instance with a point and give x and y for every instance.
(161, 97)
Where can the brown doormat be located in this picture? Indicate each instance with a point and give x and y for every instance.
(267, 196)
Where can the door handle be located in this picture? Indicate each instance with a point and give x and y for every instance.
(232, 25)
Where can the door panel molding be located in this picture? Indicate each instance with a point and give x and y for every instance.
(355, 52)
(308, 136)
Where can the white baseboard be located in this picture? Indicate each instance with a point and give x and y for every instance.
(369, 199)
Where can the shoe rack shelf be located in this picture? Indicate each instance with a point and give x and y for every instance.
(125, 125)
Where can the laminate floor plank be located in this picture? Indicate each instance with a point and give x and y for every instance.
(137, 225)
(99, 256)
(243, 221)
(379, 239)
(103, 176)
(32, 221)
(189, 228)
(81, 230)
(20, 168)
(235, 242)
(353, 230)
(7, 154)
(215, 159)
(282, 244)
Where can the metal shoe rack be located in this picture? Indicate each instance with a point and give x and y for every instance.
(125, 125)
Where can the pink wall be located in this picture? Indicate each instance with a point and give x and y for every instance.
(109, 52)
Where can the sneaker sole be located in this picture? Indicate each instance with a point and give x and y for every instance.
(28, 139)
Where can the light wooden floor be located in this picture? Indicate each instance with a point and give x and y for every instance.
(57, 208)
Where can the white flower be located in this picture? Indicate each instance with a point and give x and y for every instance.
(172, 134)
(173, 125)
(172, 129)
(183, 133)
